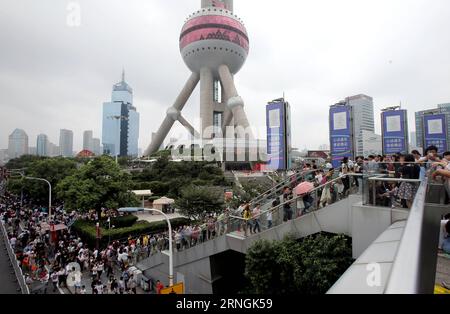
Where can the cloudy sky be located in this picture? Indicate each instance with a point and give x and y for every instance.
(317, 52)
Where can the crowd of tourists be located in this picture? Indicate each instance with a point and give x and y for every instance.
(47, 260)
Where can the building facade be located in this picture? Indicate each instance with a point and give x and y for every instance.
(442, 109)
(348, 119)
(87, 140)
(363, 119)
(96, 147)
(42, 145)
(66, 143)
(120, 131)
(17, 144)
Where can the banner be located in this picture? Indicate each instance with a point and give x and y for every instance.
(341, 139)
(395, 132)
(276, 144)
(435, 128)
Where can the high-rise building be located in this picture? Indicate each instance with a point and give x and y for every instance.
(120, 132)
(442, 110)
(3, 156)
(363, 119)
(413, 139)
(17, 144)
(87, 140)
(66, 143)
(96, 149)
(348, 119)
(53, 150)
(32, 150)
(42, 145)
(371, 143)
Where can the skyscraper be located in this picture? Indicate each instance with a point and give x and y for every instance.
(87, 141)
(120, 132)
(42, 145)
(347, 120)
(66, 143)
(413, 138)
(363, 119)
(96, 149)
(17, 144)
(442, 109)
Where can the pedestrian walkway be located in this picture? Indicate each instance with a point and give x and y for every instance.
(86, 280)
(8, 279)
(443, 269)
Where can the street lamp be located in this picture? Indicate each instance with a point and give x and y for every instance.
(118, 119)
(49, 192)
(170, 243)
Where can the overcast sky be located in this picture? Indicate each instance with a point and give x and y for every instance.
(55, 76)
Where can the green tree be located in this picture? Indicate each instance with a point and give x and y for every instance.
(23, 162)
(96, 185)
(310, 266)
(199, 202)
(52, 169)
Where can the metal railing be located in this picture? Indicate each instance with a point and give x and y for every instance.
(279, 186)
(12, 257)
(407, 273)
(293, 208)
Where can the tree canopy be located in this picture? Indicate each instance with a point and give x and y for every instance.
(167, 178)
(52, 169)
(309, 266)
(198, 202)
(98, 184)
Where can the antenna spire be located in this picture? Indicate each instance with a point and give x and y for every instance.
(123, 74)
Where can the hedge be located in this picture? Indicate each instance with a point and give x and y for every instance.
(87, 231)
(121, 222)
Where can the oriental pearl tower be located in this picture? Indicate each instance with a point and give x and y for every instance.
(214, 45)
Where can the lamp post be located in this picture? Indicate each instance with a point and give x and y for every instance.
(170, 243)
(118, 118)
(49, 192)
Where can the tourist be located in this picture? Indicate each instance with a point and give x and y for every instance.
(269, 218)
(287, 210)
(159, 287)
(247, 215)
(256, 219)
(411, 171)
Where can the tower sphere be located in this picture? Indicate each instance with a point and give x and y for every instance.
(212, 37)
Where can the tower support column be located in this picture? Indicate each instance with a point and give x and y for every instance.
(206, 102)
(168, 122)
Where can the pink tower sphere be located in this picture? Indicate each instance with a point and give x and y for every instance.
(212, 37)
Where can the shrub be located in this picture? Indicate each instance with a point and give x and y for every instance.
(87, 231)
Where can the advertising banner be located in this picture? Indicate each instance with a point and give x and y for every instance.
(394, 132)
(341, 139)
(435, 127)
(276, 145)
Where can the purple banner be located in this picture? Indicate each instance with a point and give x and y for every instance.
(435, 127)
(341, 141)
(276, 148)
(395, 132)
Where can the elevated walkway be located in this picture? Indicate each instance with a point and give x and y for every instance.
(195, 265)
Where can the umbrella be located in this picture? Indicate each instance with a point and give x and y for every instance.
(303, 188)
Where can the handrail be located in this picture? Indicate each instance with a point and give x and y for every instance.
(12, 257)
(298, 197)
(405, 277)
(394, 179)
(280, 185)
